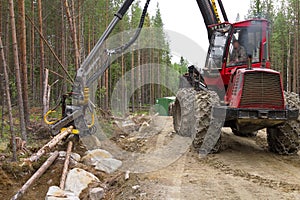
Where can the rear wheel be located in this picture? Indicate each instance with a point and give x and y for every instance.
(183, 112)
(284, 139)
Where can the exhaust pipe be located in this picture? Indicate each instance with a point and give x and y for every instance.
(249, 62)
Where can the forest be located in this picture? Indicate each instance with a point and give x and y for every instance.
(141, 155)
(43, 43)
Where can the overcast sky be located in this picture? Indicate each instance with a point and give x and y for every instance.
(184, 16)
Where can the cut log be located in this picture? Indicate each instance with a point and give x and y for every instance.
(36, 176)
(66, 166)
(46, 148)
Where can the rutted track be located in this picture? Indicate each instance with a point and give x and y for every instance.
(244, 169)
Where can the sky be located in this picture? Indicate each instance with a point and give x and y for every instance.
(185, 17)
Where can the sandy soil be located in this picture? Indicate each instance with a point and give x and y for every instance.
(244, 169)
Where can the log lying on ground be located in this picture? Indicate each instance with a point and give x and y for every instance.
(66, 166)
(35, 176)
(46, 148)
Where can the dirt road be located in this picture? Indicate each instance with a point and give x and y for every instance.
(244, 169)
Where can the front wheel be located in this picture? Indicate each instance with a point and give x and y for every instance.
(208, 130)
(283, 140)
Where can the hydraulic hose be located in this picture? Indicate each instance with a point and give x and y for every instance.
(136, 35)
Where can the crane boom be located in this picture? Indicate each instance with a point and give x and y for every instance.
(210, 13)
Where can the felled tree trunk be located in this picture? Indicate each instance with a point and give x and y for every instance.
(36, 176)
(66, 166)
(46, 148)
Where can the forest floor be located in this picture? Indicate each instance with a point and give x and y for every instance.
(244, 169)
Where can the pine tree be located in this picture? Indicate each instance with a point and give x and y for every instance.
(17, 70)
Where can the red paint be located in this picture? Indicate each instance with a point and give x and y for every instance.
(227, 76)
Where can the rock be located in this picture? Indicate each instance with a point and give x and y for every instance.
(62, 154)
(132, 198)
(135, 187)
(49, 182)
(108, 165)
(75, 156)
(90, 141)
(143, 195)
(55, 193)
(93, 156)
(96, 193)
(127, 175)
(78, 180)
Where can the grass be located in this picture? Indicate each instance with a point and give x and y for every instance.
(107, 127)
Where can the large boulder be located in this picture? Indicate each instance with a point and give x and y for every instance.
(93, 156)
(55, 193)
(78, 180)
(108, 165)
(102, 160)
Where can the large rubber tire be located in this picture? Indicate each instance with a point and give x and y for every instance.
(183, 112)
(205, 123)
(284, 139)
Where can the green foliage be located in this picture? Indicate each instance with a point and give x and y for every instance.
(284, 19)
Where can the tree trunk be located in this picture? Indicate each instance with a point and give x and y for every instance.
(1, 17)
(89, 36)
(63, 43)
(45, 95)
(17, 70)
(2, 82)
(106, 72)
(32, 55)
(297, 68)
(80, 31)
(23, 54)
(47, 147)
(7, 42)
(295, 64)
(158, 92)
(42, 51)
(71, 20)
(132, 81)
(76, 34)
(66, 166)
(289, 68)
(7, 94)
(138, 79)
(36, 176)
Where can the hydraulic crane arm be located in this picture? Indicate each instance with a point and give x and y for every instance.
(210, 13)
(91, 63)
